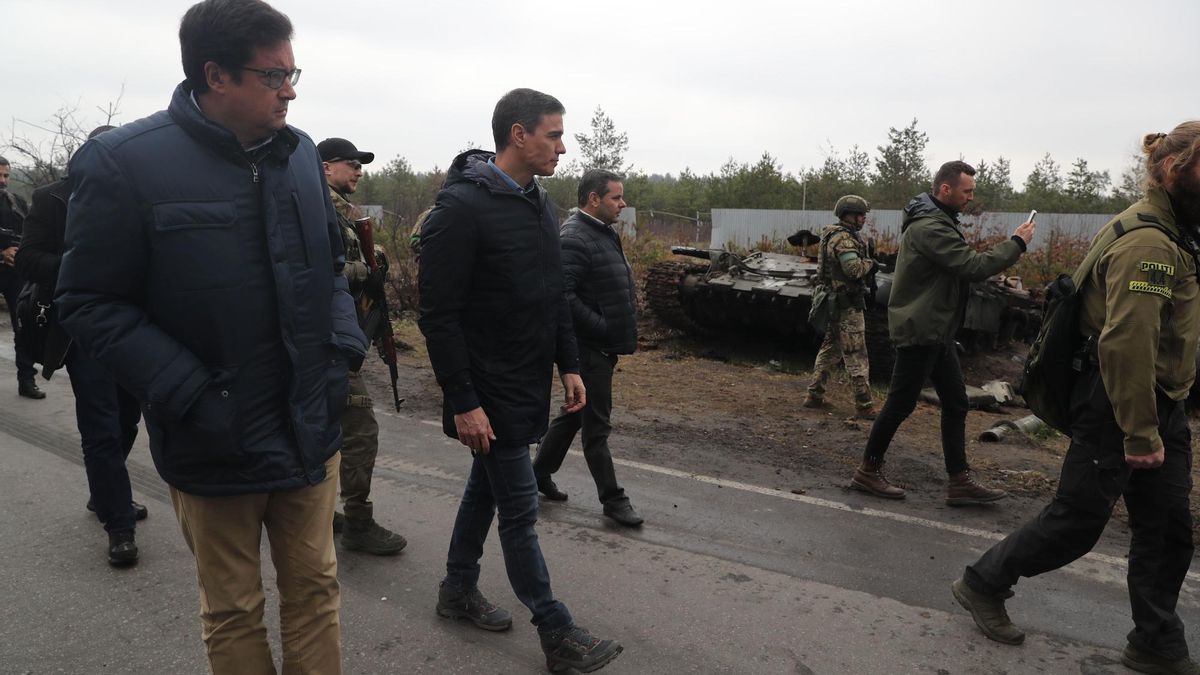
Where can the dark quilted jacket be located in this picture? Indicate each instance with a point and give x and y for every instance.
(492, 306)
(599, 284)
(208, 281)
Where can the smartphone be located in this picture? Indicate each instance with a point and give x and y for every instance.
(1032, 215)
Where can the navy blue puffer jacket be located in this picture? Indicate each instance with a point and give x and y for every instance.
(206, 278)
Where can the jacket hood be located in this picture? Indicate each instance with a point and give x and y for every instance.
(924, 206)
(188, 116)
(472, 167)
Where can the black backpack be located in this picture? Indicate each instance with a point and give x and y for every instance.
(1055, 357)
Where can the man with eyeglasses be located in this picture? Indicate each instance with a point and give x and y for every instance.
(203, 271)
(343, 165)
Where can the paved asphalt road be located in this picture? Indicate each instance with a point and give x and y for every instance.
(724, 578)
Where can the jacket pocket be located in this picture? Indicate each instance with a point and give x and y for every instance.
(197, 241)
(210, 431)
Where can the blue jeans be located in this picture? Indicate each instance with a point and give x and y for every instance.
(107, 417)
(503, 480)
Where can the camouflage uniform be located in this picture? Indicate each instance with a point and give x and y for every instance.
(360, 431)
(844, 267)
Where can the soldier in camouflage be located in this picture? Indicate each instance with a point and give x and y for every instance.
(845, 266)
(360, 431)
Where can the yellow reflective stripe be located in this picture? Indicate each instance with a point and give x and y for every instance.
(1156, 289)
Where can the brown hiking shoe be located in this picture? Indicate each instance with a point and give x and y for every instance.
(814, 401)
(869, 478)
(964, 490)
(865, 412)
(989, 613)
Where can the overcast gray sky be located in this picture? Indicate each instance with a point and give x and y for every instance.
(692, 83)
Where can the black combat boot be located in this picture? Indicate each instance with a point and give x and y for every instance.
(369, 536)
(140, 512)
(29, 389)
(575, 647)
(339, 522)
(547, 487)
(814, 401)
(455, 603)
(624, 514)
(1149, 662)
(122, 549)
(989, 613)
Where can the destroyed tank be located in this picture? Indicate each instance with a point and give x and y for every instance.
(718, 291)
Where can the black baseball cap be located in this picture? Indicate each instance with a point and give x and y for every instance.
(333, 149)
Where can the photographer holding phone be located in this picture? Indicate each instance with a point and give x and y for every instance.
(934, 267)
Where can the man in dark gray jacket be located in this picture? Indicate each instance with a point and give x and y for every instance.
(203, 271)
(599, 285)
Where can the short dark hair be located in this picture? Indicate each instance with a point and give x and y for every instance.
(521, 106)
(227, 32)
(596, 180)
(3, 161)
(949, 173)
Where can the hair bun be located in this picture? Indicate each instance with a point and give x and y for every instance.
(1151, 142)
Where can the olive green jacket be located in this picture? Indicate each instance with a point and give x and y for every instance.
(933, 269)
(1142, 301)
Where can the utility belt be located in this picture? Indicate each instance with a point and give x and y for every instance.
(849, 297)
(1087, 356)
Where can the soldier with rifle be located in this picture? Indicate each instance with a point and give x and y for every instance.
(366, 271)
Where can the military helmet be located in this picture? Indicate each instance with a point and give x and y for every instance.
(850, 204)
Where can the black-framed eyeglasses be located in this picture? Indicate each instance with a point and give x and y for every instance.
(352, 163)
(275, 77)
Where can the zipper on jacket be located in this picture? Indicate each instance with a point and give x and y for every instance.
(254, 171)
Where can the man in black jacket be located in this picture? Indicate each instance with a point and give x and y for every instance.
(12, 218)
(203, 270)
(496, 320)
(600, 289)
(106, 415)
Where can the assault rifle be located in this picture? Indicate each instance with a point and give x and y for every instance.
(378, 323)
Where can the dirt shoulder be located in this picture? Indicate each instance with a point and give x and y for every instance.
(729, 408)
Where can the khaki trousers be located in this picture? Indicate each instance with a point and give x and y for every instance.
(225, 536)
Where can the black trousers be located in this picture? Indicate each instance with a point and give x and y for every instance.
(10, 286)
(596, 369)
(1094, 475)
(915, 365)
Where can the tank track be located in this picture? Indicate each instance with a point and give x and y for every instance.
(663, 296)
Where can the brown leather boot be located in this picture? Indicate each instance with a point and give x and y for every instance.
(869, 478)
(814, 401)
(864, 411)
(964, 490)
